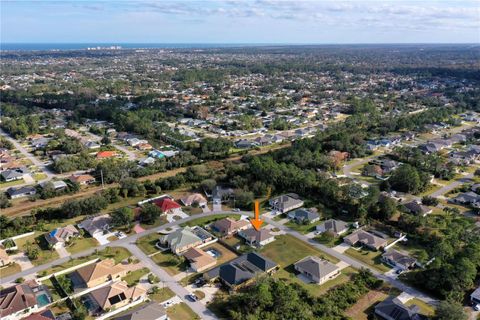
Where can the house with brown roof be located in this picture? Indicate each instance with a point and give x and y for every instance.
(257, 238)
(114, 296)
(199, 259)
(98, 273)
(43, 315)
(194, 198)
(82, 179)
(366, 239)
(317, 270)
(59, 236)
(229, 226)
(17, 302)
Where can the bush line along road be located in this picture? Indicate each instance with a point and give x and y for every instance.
(130, 244)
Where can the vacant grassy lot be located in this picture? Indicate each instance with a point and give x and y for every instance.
(302, 228)
(116, 253)
(82, 244)
(181, 311)
(147, 243)
(162, 295)
(371, 258)
(11, 269)
(286, 250)
(206, 220)
(364, 307)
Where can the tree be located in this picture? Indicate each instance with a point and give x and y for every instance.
(429, 201)
(4, 201)
(244, 199)
(150, 213)
(448, 310)
(208, 184)
(122, 217)
(31, 251)
(387, 208)
(408, 179)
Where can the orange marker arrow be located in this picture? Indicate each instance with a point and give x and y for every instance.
(256, 222)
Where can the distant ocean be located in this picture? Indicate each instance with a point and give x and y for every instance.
(81, 46)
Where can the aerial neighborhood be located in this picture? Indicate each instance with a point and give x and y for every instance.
(129, 177)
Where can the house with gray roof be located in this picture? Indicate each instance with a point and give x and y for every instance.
(336, 227)
(475, 296)
(303, 216)
(398, 260)
(150, 311)
(417, 208)
(468, 198)
(317, 270)
(181, 240)
(15, 193)
(241, 270)
(366, 239)
(285, 203)
(393, 309)
(256, 238)
(12, 175)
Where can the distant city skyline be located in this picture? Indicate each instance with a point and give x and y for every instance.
(240, 22)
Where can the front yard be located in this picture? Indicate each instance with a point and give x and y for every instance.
(181, 311)
(147, 243)
(170, 262)
(163, 294)
(371, 258)
(302, 228)
(82, 244)
(133, 277)
(207, 220)
(12, 268)
(37, 243)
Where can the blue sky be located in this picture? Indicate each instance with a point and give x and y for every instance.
(235, 21)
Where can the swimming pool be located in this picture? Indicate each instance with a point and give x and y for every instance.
(42, 300)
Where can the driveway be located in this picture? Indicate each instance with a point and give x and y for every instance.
(217, 207)
(22, 260)
(341, 248)
(103, 238)
(209, 291)
(62, 252)
(206, 209)
(178, 213)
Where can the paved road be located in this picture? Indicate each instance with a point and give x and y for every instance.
(355, 263)
(347, 169)
(41, 166)
(180, 291)
(452, 185)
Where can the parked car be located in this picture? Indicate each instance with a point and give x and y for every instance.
(476, 307)
(168, 304)
(192, 297)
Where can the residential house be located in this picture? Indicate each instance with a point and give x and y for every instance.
(92, 145)
(241, 270)
(97, 225)
(17, 302)
(156, 154)
(475, 296)
(220, 194)
(146, 161)
(336, 227)
(98, 273)
(257, 238)
(56, 185)
(467, 198)
(229, 226)
(150, 311)
(42, 315)
(107, 154)
(167, 205)
(199, 259)
(114, 296)
(285, 202)
(194, 198)
(59, 236)
(366, 239)
(417, 208)
(393, 309)
(304, 216)
(181, 240)
(14, 174)
(399, 260)
(317, 270)
(15, 193)
(245, 144)
(82, 179)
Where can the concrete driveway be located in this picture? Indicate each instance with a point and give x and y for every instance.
(22, 260)
(62, 252)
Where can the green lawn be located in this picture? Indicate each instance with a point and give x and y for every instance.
(302, 228)
(133, 277)
(159, 222)
(286, 250)
(82, 244)
(170, 262)
(206, 220)
(37, 241)
(39, 176)
(116, 253)
(4, 184)
(162, 295)
(181, 311)
(147, 243)
(10, 269)
(371, 258)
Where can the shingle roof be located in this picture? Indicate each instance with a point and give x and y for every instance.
(16, 298)
(395, 309)
(151, 311)
(99, 270)
(316, 266)
(181, 238)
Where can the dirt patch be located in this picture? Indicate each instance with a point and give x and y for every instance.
(364, 306)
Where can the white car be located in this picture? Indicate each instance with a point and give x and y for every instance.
(168, 304)
(120, 235)
(476, 307)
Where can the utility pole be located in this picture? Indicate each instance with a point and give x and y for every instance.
(101, 175)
